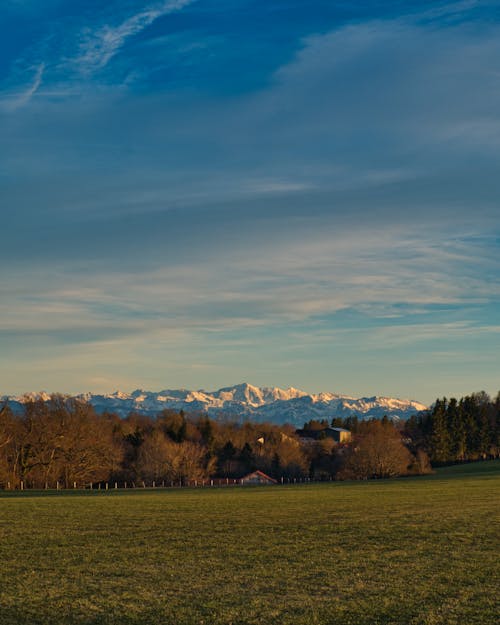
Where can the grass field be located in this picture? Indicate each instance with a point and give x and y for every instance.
(409, 551)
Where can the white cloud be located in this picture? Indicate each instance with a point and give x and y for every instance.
(99, 46)
(403, 82)
(371, 271)
(249, 216)
(456, 333)
(14, 100)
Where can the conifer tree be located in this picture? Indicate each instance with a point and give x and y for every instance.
(440, 436)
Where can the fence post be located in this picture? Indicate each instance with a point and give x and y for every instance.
(21, 485)
(107, 486)
(116, 485)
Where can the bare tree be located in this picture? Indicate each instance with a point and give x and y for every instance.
(153, 457)
(64, 440)
(89, 451)
(377, 452)
(161, 458)
(8, 427)
(188, 462)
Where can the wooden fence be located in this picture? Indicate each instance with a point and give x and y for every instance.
(151, 485)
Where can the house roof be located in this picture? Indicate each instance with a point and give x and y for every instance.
(259, 474)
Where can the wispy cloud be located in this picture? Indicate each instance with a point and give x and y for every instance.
(453, 11)
(378, 274)
(98, 47)
(343, 204)
(19, 98)
(392, 336)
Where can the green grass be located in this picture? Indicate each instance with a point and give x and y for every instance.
(410, 551)
(471, 469)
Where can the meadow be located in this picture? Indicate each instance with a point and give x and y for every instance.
(416, 551)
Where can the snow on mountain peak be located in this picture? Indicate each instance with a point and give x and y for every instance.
(244, 401)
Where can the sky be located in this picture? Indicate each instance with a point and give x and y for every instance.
(197, 193)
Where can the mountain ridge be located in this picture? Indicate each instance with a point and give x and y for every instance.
(246, 402)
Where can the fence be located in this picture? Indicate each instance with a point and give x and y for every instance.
(151, 485)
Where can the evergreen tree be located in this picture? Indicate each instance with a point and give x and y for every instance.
(352, 423)
(276, 466)
(457, 431)
(226, 459)
(247, 458)
(440, 437)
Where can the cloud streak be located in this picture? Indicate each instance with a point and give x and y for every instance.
(370, 274)
(98, 47)
(241, 206)
(14, 101)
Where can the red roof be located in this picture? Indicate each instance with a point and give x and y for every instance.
(259, 474)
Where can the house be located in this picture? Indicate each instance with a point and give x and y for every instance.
(257, 478)
(339, 435)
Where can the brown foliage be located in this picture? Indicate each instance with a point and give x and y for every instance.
(421, 464)
(8, 429)
(64, 440)
(377, 452)
(160, 458)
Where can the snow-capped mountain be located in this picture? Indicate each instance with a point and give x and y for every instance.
(244, 401)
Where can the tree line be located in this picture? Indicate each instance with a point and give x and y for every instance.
(64, 441)
(458, 430)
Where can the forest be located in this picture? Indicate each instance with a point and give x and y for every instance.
(64, 442)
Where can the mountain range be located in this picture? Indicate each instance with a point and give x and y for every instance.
(247, 402)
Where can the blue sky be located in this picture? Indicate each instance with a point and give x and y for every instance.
(199, 193)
